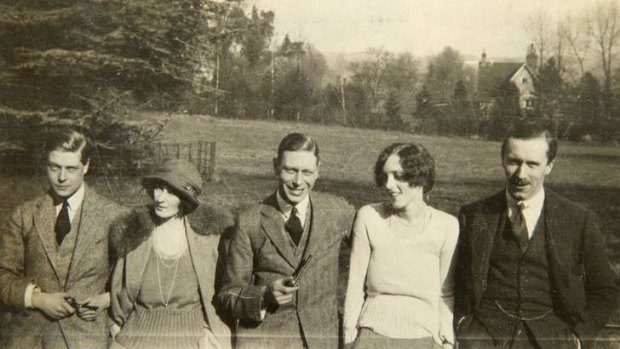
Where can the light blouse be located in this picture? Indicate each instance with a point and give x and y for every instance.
(401, 281)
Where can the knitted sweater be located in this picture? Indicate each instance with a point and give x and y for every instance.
(401, 281)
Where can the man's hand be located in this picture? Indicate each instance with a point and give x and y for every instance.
(279, 294)
(52, 305)
(92, 306)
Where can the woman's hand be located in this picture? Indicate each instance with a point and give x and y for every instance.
(90, 308)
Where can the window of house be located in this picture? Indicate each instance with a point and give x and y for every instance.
(524, 80)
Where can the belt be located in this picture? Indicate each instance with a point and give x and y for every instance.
(529, 318)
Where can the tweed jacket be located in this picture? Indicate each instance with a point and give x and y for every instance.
(260, 253)
(130, 237)
(28, 254)
(582, 281)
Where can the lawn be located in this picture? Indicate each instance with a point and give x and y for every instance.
(466, 169)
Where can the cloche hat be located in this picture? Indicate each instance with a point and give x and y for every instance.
(181, 175)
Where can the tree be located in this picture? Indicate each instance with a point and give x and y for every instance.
(549, 89)
(575, 32)
(369, 75)
(89, 62)
(604, 28)
(392, 113)
(537, 26)
(504, 111)
(444, 71)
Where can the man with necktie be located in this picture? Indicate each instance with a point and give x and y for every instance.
(271, 241)
(532, 268)
(54, 263)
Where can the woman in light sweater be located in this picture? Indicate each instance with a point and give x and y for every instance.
(400, 289)
(164, 280)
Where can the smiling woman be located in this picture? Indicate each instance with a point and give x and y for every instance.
(400, 290)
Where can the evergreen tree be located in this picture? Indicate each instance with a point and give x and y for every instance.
(392, 113)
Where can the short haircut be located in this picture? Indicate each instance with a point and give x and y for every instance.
(531, 129)
(297, 142)
(69, 140)
(417, 163)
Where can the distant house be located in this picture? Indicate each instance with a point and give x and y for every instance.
(492, 74)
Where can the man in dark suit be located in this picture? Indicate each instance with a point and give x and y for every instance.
(54, 262)
(532, 268)
(270, 241)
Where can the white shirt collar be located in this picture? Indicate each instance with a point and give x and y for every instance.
(302, 208)
(74, 202)
(531, 212)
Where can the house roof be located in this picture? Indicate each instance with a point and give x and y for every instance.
(490, 75)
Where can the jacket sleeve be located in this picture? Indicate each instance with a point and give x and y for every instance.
(462, 296)
(238, 297)
(121, 304)
(13, 283)
(600, 281)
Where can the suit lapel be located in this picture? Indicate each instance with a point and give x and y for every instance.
(44, 221)
(87, 230)
(553, 221)
(318, 228)
(272, 225)
(485, 227)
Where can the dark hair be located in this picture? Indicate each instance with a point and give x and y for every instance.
(185, 206)
(297, 142)
(416, 161)
(69, 140)
(530, 129)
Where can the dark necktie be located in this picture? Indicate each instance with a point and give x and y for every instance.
(63, 224)
(293, 226)
(519, 227)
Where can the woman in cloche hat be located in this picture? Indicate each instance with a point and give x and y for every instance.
(164, 280)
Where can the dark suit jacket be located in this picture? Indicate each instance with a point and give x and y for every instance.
(259, 254)
(582, 281)
(28, 254)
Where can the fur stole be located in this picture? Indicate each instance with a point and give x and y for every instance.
(129, 231)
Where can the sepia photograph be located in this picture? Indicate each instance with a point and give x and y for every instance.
(310, 174)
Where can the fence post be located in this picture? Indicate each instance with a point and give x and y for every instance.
(212, 161)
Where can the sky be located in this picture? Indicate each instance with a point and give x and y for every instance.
(422, 27)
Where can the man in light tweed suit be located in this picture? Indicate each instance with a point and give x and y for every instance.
(54, 262)
(270, 242)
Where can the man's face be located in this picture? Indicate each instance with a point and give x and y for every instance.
(525, 165)
(65, 172)
(297, 171)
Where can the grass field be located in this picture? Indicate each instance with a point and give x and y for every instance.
(467, 170)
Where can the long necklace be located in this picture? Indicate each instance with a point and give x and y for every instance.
(175, 263)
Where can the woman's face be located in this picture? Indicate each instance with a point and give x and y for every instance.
(401, 194)
(166, 203)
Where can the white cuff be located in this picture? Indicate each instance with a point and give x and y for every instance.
(28, 295)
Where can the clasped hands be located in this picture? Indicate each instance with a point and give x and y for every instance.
(61, 305)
